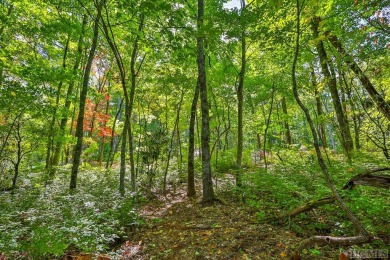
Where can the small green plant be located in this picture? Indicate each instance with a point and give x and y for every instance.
(46, 222)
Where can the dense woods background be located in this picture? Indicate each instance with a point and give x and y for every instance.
(103, 103)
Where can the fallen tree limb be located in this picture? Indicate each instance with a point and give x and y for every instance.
(308, 206)
(367, 179)
(339, 241)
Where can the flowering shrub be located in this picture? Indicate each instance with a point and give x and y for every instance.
(48, 221)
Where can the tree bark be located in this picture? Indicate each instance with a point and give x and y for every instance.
(134, 74)
(83, 95)
(170, 148)
(304, 208)
(320, 112)
(355, 114)
(380, 102)
(68, 100)
(240, 102)
(267, 124)
(287, 133)
(345, 133)
(122, 72)
(208, 191)
(340, 241)
(191, 192)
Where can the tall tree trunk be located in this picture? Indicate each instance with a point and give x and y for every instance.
(83, 96)
(51, 135)
(286, 125)
(191, 192)
(134, 74)
(112, 139)
(208, 191)
(320, 159)
(345, 133)
(320, 112)
(355, 114)
(68, 100)
(240, 101)
(18, 155)
(380, 102)
(170, 148)
(122, 72)
(267, 123)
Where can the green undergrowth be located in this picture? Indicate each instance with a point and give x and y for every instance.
(45, 222)
(283, 187)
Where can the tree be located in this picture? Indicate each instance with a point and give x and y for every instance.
(345, 133)
(240, 99)
(191, 192)
(83, 96)
(208, 191)
(321, 162)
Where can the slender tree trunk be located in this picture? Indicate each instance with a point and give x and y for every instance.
(345, 133)
(322, 132)
(191, 192)
(355, 114)
(103, 139)
(170, 148)
(208, 191)
(240, 101)
(51, 135)
(286, 125)
(83, 96)
(134, 74)
(112, 139)
(267, 123)
(320, 159)
(18, 155)
(111, 42)
(68, 100)
(380, 102)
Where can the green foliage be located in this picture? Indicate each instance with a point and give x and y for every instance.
(45, 222)
(283, 188)
(227, 160)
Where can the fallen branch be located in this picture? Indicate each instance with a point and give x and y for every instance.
(308, 206)
(339, 241)
(367, 179)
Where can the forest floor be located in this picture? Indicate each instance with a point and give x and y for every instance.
(180, 228)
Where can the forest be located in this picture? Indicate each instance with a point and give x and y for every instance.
(192, 129)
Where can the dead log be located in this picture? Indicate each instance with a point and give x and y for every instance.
(368, 179)
(338, 241)
(308, 206)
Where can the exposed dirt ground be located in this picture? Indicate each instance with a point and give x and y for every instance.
(180, 228)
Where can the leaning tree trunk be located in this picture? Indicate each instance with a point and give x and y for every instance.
(380, 102)
(208, 191)
(345, 133)
(83, 96)
(320, 159)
